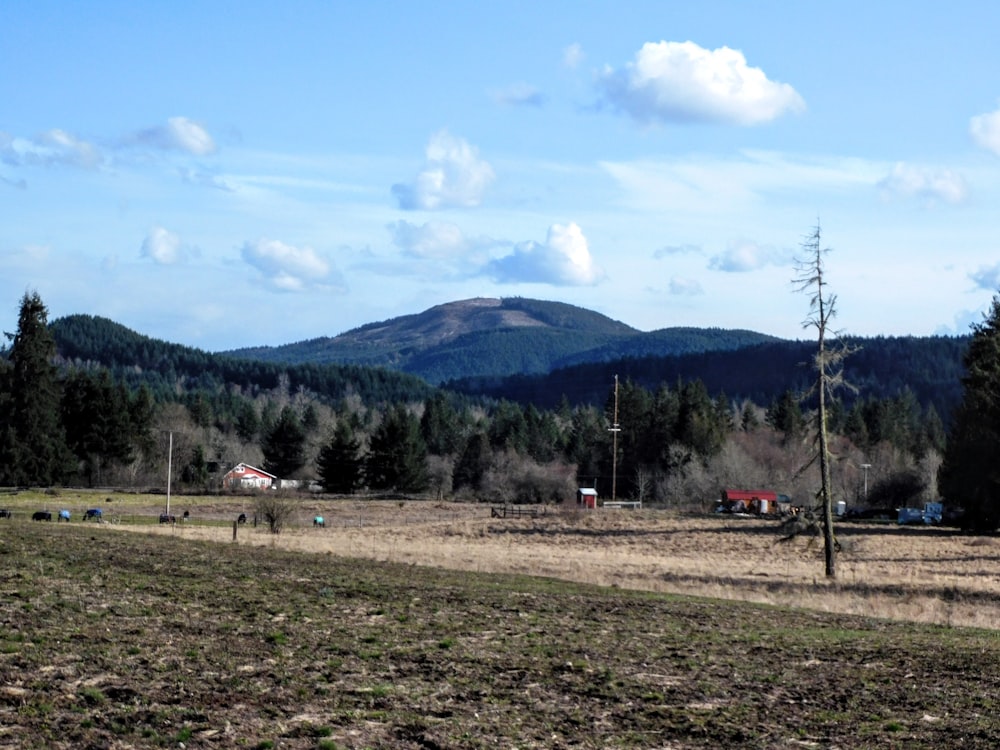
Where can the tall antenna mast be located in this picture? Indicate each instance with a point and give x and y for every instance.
(614, 430)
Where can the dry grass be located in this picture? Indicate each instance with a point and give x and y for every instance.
(926, 575)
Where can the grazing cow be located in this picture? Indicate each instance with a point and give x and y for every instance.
(41, 515)
(4, 513)
(319, 521)
(168, 518)
(63, 515)
(93, 513)
(241, 519)
(186, 516)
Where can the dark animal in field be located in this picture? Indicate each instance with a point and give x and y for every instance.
(168, 518)
(186, 516)
(93, 513)
(241, 518)
(41, 515)
(4, 513)
(319, 521)
(63, 515)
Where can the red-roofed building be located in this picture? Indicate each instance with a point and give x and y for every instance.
(246, 477)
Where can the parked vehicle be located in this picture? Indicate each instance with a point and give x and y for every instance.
(931, 514)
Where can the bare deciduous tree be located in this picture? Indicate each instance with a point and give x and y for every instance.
(274, 509)
(828, 363)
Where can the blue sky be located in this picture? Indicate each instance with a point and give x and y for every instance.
(228, 174)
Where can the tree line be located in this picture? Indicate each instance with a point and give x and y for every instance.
(71, 421)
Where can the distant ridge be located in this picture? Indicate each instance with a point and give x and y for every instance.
(496, 337)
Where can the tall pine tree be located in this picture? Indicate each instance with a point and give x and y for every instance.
(969, 477)
(33, 448)
(341, 467)
(397, 459)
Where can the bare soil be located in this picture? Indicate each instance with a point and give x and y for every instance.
(415, 626)
(915, 573)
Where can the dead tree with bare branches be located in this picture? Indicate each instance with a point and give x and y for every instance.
(828, 363)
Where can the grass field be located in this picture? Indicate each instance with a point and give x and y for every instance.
(428, 625)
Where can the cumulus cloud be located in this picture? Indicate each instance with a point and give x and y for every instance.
(563, 260)
(985, 131)
(288, 268)
(743, 255)
(434, 239)
(682, 82)
(987, 277)
(179, 134)
(929, 184)
(454, 176)
(51, 148)
(519, 95)
(163, 247)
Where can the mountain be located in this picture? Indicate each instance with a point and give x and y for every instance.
(496, 337)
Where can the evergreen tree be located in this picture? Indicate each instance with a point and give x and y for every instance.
(196, 470)
(284, 446)
(473, 463)
(33, 449)
(397, 458)
(341, 467)
(95, 415)
(440, 426)
(247, 422)
(785, 416)
(969, 477)
(508, 429)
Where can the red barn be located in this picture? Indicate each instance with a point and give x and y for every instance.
(244, 476)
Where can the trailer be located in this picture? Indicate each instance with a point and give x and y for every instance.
(755, 503)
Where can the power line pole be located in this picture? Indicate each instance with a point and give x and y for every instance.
(614, 430)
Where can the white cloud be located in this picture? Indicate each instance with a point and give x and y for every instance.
(700, 184)
(985, 131)
(163, 247)
(573, 55)
(519, 95)
(54, 147)
(179, 134)
(564, 260)
(454, 176)
(205, 179)
(669, 250)
(929, 184)
(288, 268)
(682, 82)
(685, 287)
(434, 239)
(742, 256)
(987, 277)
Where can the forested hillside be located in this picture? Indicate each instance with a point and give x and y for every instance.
(884, 367)
(497, 337)
(172, 370)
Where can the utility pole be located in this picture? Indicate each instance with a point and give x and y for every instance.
(170, 458)
(614, 430)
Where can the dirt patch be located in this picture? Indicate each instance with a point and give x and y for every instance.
(920, 574)
(125, 640)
